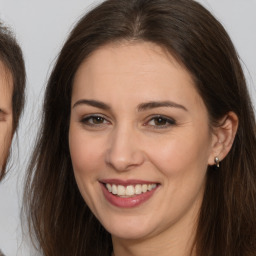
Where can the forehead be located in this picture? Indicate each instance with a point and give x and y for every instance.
(140, 56)
(123, 68)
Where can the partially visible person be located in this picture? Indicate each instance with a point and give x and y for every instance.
(12, 92)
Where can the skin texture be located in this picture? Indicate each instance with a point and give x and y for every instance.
(6, 88)
(127, 142)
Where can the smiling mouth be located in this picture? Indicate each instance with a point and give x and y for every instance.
(129, 190)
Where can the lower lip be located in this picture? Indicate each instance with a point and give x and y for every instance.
(127, 202)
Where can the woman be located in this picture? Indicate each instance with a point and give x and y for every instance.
(147, 142)
(12, 86)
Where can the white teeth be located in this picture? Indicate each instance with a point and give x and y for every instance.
(114, 189)
(129, 190)
(109, 187)
(138, 189)
(144, 188)
(121, 190)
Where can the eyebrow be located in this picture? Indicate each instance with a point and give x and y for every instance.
(93, 103)
(159, 104)
(141, 107)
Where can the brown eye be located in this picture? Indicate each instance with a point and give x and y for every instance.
(2, 115)
(161, 122)
(94, 120)
(97, 120)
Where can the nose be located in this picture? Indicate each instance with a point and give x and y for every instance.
(124, 152)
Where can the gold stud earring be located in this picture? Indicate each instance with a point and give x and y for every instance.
(217, 161)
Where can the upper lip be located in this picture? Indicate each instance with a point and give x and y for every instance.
(127, 182)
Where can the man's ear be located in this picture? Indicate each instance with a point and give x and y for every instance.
(223, 137)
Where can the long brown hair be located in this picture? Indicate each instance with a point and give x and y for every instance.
(60, 221)
(12, 58)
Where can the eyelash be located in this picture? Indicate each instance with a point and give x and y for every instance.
(1, 115)
(168, 122)
(88, 120)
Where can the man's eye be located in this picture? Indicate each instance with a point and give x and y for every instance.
(2, 115)
(161, 122)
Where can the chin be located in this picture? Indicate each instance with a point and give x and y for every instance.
(129, 234)
(129, 228)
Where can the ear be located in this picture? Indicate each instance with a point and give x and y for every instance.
(223, 137)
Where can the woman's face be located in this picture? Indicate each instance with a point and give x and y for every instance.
(139, 140)
(6, 88)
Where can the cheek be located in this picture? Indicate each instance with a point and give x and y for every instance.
(85, 153)
(5, 142)
(181, 153)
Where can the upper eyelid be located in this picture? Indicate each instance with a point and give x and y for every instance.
(94, 115)
(87, 117)
(148, 119)
(2, 112)
(161, 116)
(170, 122)
(2, 115)
(5, 112)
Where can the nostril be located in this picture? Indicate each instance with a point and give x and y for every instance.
(121, 161)
(124, 152)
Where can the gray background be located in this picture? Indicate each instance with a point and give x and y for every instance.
(41, 28)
